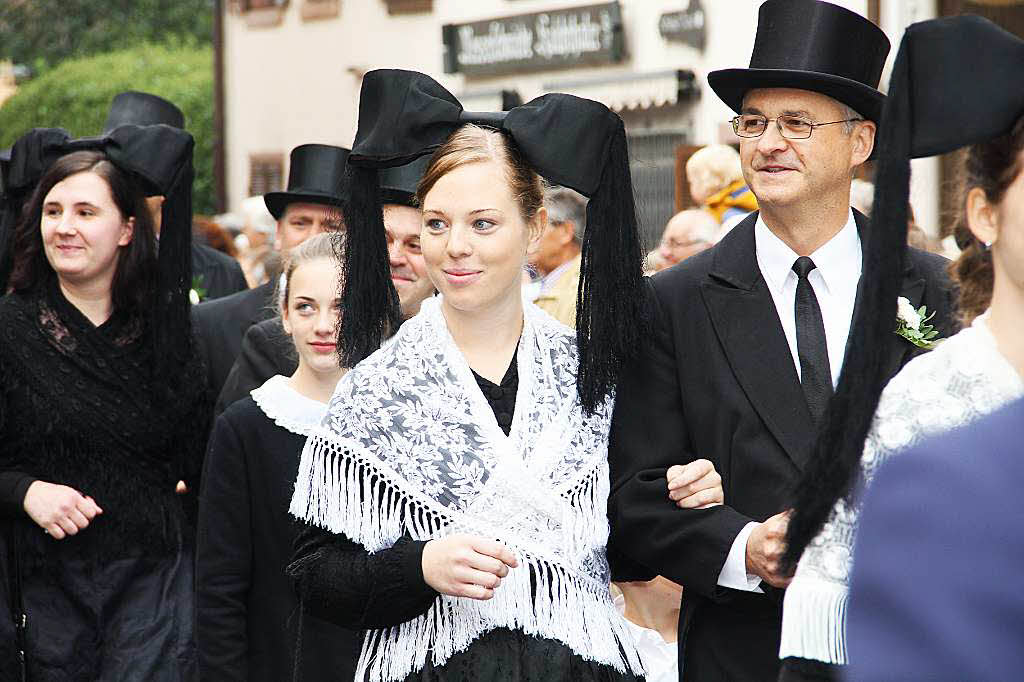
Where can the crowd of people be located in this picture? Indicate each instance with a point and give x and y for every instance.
(430, 413)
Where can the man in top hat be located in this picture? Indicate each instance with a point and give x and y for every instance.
(266, 349)
(216, 274)
(768, 311)
(307, 208)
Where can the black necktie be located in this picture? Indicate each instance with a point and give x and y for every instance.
(815, 374)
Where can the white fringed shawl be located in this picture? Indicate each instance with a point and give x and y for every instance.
(963, 379)
(410, 445)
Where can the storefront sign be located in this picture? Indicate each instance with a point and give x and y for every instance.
(580, 36)
(687, 26)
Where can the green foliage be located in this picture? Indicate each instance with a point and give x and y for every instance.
(42, 33)
(76, 95)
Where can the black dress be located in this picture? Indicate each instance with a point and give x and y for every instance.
(340, 581)
(79, 407)
(247, 623)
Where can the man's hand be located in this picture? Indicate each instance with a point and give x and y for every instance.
(695, 485)
(765, 547)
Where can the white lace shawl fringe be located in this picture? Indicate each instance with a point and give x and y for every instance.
(820, 608)
(345, 493)
(814, 611)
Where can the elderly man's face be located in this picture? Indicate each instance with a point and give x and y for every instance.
(683, 237)
(552, 247)
(783, 172)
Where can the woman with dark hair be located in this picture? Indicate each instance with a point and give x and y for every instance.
(103, 411)
(965, 376)
(455, 494)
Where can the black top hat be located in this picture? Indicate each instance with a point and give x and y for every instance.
(142, 109)
(811, 45)
(398, 184)
(316, 175)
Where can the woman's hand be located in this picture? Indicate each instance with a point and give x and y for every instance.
(695, 485)
(466, 565)
(58, 509)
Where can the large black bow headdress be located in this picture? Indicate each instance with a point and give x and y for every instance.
(570, 141)
(160, 158)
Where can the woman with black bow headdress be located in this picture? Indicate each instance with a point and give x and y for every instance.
(103, 408)
(455, 493)
(961, 378)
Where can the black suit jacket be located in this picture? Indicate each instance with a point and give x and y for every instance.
(717, 381)
(267, 350)
(220, 274)
(221, 324)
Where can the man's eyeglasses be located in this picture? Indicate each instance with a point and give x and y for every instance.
(790, 127)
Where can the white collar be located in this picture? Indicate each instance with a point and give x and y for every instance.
(288, 408)
(838, 260)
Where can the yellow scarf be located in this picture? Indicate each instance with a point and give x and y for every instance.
(730, 197)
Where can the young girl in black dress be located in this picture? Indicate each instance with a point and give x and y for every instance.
(247, 627)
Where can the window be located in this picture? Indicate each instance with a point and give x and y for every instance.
(260, 13)
(409, 6)
(652, 163)
(266, 173)
(319, 9)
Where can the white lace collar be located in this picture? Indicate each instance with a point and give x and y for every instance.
(288, 408)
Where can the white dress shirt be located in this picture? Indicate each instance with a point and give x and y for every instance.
(834, 280)
(660, 658)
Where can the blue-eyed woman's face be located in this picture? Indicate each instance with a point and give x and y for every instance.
(474, 238)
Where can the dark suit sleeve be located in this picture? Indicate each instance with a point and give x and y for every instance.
(254, 365)
(223, 559)
(340, 582)
(648, 435)
(935, 592)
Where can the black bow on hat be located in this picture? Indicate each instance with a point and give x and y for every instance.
(574, 142)
(156, 154)
(565, 138)
(161, 158)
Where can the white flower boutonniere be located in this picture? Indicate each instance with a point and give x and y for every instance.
(197, 293)
(913, 324)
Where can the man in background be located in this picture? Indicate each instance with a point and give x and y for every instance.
(307, 208)
(686, 233)
(558, 255)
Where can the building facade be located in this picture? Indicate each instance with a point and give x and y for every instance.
(292, 71)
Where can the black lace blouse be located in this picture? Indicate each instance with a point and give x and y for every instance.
(79, 407)
(341, 582)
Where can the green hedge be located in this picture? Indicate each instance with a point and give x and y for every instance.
(76, 95)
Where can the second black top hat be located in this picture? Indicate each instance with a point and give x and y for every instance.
(811, 45)
(316, 175)
(398, 184)
(142, 109)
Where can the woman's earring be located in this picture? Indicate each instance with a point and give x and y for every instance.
(987, 245)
